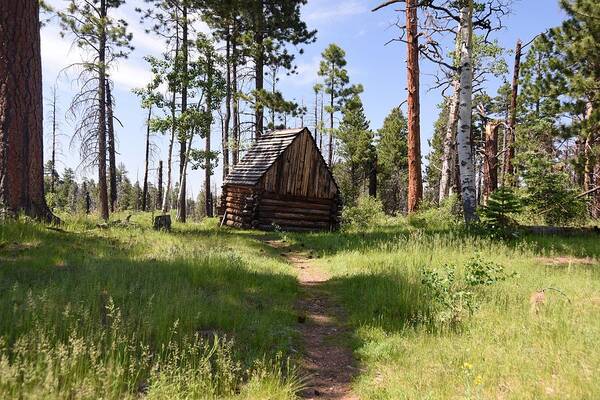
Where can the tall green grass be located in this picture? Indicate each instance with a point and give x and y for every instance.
(126, 311)
(509, 349)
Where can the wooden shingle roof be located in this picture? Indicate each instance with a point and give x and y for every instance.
(261, 156)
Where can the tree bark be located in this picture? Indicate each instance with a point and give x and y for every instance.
(259, 69)
(53, 156)
(463, 139)
(490, 161)
(159, 188)
(321, 124)
(373, 176)
(167, 197)
(235, 104)
(102, 188)
(227, 105)
(207, 173)
(316, 115)
(331, 113)
(181, 206)
(449, 146)
(146, 162)
(415, 181)
(112, 162)
(207, 169)
(21, 111)
(509, 155)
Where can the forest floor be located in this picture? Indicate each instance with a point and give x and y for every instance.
(124, 312)
(327, 363)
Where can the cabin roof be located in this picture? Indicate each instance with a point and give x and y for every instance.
(259, 158)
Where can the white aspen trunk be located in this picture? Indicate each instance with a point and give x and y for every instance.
(463, 137)
(449, 143)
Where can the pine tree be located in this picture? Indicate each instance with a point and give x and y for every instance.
(106, 40)
(357, 150)
(336, 86)
(576, 59)
(392, 161)
(272, 26)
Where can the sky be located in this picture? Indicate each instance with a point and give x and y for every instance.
(380, 68)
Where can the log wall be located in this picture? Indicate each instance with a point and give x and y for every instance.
(300, 171)
(296, 193)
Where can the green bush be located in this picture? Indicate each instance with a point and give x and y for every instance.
(368, 212)
(551, 195)
(497, 216)
(445, 215)
(456, 296)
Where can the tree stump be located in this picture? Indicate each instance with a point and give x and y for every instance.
(162, 223)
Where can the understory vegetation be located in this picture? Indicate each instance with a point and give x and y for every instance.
(125, 311)
(122, 311)
(518, 320)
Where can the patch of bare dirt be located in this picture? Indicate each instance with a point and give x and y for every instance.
(328, 363)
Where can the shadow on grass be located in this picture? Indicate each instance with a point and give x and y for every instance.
(72, 279)
(331, 243)
(387, 301)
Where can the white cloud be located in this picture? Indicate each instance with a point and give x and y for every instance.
(306, 73)
(338, 10)
(130, 75)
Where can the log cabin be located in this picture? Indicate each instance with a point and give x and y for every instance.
(282, 182)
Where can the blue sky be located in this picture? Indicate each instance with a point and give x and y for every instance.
(348, 23)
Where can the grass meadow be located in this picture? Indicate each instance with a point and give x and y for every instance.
(517, 345)
(126, 312)
(201, 312)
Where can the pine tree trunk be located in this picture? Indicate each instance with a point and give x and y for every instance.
(316, 115)
(235, 104)
(463, 139)
(87, 199)
(159, 189)
(490, 162)
(181, 206)
(112, 162)
(146, 162)
(167, 197)
(330, 155)
(449, 146)
(53, 156)
(207, 169)
(321, 124)
(102, 187)
(207, 173)
(21, 111)
(415, 182)
(259, 70)
(509, 155)
(227, 105)
(373, 177)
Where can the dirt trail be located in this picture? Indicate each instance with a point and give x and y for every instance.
(327, 362)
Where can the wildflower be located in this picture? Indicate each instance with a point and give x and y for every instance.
(478, 380)
(468, 366)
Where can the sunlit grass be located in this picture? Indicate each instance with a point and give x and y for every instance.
(125, 311)
(508, 349)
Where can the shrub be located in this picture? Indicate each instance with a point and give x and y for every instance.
(445, 215)
(550, 194)
(457, 296)
(497, 216)
(368, 212)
